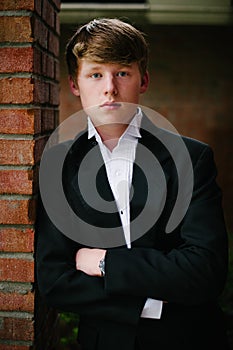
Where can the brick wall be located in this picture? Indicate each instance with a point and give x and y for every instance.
(29, 48)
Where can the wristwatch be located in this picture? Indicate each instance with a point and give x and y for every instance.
(102, 267)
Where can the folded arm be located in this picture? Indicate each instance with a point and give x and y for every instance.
(192, 273)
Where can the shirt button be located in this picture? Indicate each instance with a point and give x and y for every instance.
(118, 173)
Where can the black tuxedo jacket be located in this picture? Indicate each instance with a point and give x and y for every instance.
(186, 267)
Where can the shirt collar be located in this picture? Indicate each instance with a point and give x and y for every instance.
(132, 130)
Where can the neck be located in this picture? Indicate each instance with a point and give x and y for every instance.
(111, 133)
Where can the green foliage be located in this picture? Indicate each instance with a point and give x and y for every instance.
(68, 330)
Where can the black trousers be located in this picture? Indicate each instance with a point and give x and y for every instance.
(180, 328)
(183, 329)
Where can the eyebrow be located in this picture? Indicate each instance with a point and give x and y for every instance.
(94, 68)
(97, 67)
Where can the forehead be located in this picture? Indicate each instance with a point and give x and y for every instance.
(86, 65)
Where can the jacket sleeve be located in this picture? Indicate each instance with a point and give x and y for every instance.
(192, 273)
(67, 289)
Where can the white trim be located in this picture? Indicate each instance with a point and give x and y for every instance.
(150, 13)
(103, 6)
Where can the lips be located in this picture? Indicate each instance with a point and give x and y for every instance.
(111, 105)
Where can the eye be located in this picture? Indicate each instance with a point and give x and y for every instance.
(96, 75)
(122, 74)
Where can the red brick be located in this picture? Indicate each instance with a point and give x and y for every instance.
(16, 90)
(14, 347)
(41, 94)
(56, 70)
(15, 29)
(57, 23)
(57, 3)
(48, 14)
(20, 121)
(16, 59)
(17, 302)
(47, 66)
(17, 211)
(7, 5)
(54, 95)
(40, 33)
(21, 152)
(37, 61)
(39, 148)
(24, 151)
(16, 181)
(44, 65)
(48, 120)
(38, 7)
(18, 152)
(16, 270)
(16, 329)
(53, 44)
(16, 240)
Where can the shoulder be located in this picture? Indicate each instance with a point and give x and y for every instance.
(195, 145)
(172, 142)
(62, 149)
(198, 150)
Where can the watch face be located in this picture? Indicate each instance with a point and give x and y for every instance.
(102, 267)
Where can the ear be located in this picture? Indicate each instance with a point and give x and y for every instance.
(145, 83)
(73, 86)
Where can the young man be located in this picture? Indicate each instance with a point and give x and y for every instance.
(135, 286)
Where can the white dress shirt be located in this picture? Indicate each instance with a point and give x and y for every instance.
(119, 167)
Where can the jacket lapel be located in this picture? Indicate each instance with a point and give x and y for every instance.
(91, 195)
(150, 179)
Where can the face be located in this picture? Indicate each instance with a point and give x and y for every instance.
(107, 87)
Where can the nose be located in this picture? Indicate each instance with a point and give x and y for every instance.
(110, 86)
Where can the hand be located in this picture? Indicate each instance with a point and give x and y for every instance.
(87, 260)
